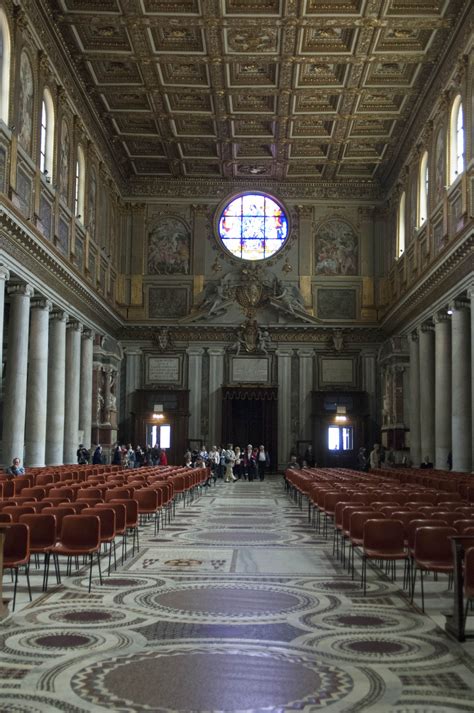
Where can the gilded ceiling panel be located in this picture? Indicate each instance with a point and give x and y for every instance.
(280, 89)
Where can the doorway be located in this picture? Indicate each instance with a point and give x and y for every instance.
(158, 434)
(250, 415)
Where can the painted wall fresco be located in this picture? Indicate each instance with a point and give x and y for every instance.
(25, 103)
(64, 152)
(169, 247)
(336, 249)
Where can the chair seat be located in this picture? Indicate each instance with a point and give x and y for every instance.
(383, 554)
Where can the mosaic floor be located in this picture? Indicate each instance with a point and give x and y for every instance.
(236, 606)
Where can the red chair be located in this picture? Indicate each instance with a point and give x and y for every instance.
(16, 553)
(59, 512)
(15, 511)
(468, 579)
(383, 540)
(35, 492)
(65, 493)
(107, 530)
(131, 507)
(42, 538)
(432, 553)
(120, 522)
(5, 518)
(148, 504)
(80, 535)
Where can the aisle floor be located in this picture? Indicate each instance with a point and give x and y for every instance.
(237, 605)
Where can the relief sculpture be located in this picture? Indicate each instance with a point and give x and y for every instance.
(336, 249)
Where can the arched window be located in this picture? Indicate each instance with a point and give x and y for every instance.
(456, 140)
(401, 226)
(47, 134)
(252, 226)
(5, 54)
(423, 186)
(79, 185)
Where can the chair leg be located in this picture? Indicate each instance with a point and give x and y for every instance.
(422, 592)
(47, 556)
(14, 589)
(99, 566)
(27, 572)
(91, 556)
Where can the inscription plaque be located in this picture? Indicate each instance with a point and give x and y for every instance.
(164, 370)
(250, 371)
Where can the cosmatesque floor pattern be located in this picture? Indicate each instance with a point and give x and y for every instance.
(237, 605)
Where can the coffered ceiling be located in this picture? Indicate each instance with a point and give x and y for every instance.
(280, 89)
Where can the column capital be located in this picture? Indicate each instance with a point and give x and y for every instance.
(88, 333)
(216, 351)
(427, 327)
(441, 317)
(4, 273)
(20, 288)
(40, 302)
(459, 304)
(305, 353)
(58, 315)
(414, 335)
(74, 325)
(132, 351)
(195, 351)
(284, 352)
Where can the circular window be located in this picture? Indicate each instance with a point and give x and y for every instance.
(253, 226)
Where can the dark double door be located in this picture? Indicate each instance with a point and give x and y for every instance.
(250, 415)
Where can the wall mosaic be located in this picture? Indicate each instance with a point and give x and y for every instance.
(63, 237)
(23, 189)
(169, 248)
(45, 216)
(167, 302)
(64, 152)
(25, 103)
(336, 249)
(92, 197)
(440, 165)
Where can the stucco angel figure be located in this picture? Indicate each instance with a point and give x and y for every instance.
(289, 297)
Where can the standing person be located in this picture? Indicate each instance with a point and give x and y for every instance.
(221, 469)
(229, 464)
(238, 463)
(163, 457)
(214, 460)
(15, 469)
(374, 458)
(130, 457)
(250, 462)
(155, 454)
(309, 457)
(97, 457)
(263, 461)
(83, 455)
(117, 455)
(362, 459)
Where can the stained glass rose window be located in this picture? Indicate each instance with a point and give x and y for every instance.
(253, 226)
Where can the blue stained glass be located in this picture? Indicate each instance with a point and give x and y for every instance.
(253, 227)
(253, 205)
(253, 250)
(230, 227)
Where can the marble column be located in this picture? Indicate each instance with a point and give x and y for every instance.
(14, 405)
(4, 276)
(427, 391)
(56, 388)
(216, 379)
(470, 294)
(37, 388)
(72, 391)
(461, 427)
(284, 405)
(85, 398)
(442, 389)
(305, 393)
(133, 381)
(414, 399)
(195, 389)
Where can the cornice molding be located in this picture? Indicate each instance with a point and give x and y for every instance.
(449, 271)
(216, 189)
(59, 276)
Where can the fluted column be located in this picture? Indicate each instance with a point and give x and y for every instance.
(37, 388)
(442, 389)
(284, 405)
(85, 399)
(216, 378)
(305, 392)
(461, 428)
(414, 399)
(427, 388)
(72, 392)
(14, 408)
(4, 276)
(195, 389)
(56, 388)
